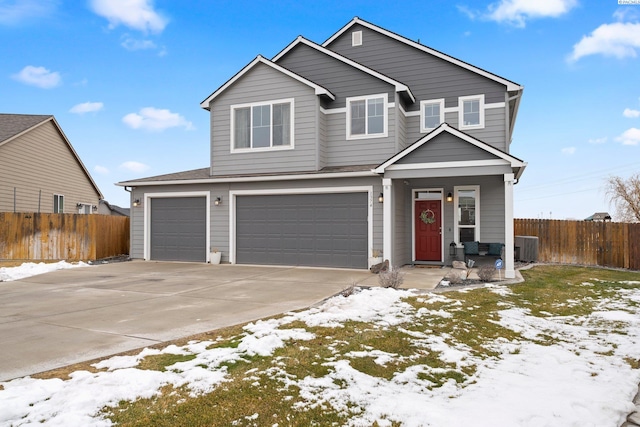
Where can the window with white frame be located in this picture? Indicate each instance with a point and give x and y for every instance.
(58, 203)
(432, 114)
(367, 117)
(471, 112)
(467, 214)
(264, 125)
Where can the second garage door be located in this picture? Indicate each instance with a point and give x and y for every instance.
(327, 230)
(178, 229)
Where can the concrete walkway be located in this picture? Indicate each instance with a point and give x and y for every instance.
(70, 316)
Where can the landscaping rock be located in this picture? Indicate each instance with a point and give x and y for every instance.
(459, 265)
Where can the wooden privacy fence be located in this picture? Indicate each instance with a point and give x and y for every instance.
(72, 237)
(606, 244)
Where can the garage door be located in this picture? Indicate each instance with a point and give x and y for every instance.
(328, 230)
(178, 229)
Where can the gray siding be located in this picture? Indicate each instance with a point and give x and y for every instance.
(428, 77)
(38, 165)
(493, 132)
(263, 83)
(446, 148)
(341, 79)
(343, 152)
(402, 228)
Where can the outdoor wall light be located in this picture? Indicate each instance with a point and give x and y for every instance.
(136, 203)
(381, 198)
(217, 201)
(449, 197)
(94, 208)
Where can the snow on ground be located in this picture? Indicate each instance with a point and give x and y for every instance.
(29, 269)
(580, 378)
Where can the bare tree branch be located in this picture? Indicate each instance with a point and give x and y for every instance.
(625, 196)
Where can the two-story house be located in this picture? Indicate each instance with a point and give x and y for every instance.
(325, 153)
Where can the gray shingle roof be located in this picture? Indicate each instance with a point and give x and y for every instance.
(13, 124)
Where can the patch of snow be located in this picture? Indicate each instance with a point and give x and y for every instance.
(28, 269)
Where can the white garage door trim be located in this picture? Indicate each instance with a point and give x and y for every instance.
(147, 217)
(318, 190)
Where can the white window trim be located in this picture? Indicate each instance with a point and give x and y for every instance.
(56, 208)
(423, 105)
(385, 107)
(456, 216)
(461, 101)
(255, 104)
(356, 38)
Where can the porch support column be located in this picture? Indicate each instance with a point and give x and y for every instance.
(387, 221)
(509, 269)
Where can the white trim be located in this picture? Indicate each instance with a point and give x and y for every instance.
(511, 86)
(250, 105)
(314, 190)
(456, 219)
(259, 178)
(509, 240)
(461, 101)
(514, 162)
(399, 87)
(388, 221)
(423, 105)
(447, 165)
(319, 90)
(147, 217)
(385, 109)
(414, 192)
(356, 38)
(341, 110)
(494, 105)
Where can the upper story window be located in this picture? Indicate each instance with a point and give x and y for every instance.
(367, 117)
(471, 112)
(58, 203)
(432, 114)
(356, 38)
(266, 125)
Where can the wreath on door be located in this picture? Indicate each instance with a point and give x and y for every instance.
(428, 217)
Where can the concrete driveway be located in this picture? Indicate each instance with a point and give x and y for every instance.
(69, 316)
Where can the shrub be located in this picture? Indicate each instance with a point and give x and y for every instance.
(391, 278)
(486, 272)
(454, 277)
(349, 290)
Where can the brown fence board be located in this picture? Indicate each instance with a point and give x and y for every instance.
(607, 244)
(72, 237)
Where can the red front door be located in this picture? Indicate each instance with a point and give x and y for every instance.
(428, 228)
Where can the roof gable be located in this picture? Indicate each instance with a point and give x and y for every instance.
(446, 147)
(399, 86)
(20, 124)
(319, 90)
(511, 86)
(415, 151)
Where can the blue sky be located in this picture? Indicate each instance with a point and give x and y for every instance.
(124, 78)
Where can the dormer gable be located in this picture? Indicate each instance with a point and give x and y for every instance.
(319, 90)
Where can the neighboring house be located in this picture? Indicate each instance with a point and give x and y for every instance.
(41, 172)
(599, 216)
(328, 152)
(106, 208)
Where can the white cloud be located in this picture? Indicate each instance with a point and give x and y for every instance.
(134, 166)
(598, 140)
(619, 40)
(569, 151)
(517, 12)
(136, 14)
(13, 12)
(133, 44)
(630, 137)
(38, 76)
(155, 119)
(632, 114)
(86, 107)
(101, 170)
